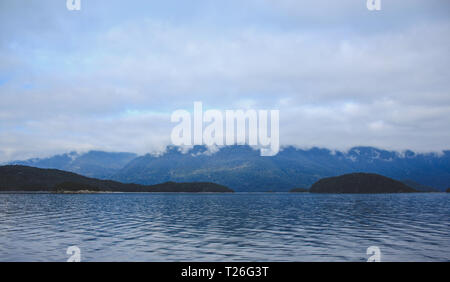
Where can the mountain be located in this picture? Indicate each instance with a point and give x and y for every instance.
(96, 164)
(360, 183)
(419, 187)
(243, 169)
(25, 178)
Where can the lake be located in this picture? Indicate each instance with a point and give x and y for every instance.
(224, 227)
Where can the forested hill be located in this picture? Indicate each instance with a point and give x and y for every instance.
(24, 178)
(243, 169)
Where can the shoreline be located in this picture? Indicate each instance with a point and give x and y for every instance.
(158, 192)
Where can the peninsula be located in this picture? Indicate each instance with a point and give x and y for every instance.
(17, 178)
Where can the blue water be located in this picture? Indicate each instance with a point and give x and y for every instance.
(224, 227)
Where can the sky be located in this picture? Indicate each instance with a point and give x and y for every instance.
(109, 76)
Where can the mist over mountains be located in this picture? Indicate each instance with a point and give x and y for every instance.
(242, 168)
(96, 164)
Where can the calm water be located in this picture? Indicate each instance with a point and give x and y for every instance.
(230, 227)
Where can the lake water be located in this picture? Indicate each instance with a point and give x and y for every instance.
(224, 227)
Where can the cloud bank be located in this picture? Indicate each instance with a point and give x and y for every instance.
(109, 76)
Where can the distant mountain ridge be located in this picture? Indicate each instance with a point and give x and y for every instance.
(97, 164)
(242, 168)
(419, 187)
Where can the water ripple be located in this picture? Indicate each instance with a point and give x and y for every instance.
(221, 227)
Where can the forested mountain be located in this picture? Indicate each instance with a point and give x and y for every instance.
(243, 169)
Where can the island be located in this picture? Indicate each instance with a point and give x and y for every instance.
(448, 190)
(18, 178)
(299, 190)
(360, 183)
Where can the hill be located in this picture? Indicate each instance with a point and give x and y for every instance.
(360, 183)
(419, 187)
(24, 178)
(242, 169)
(97, 164)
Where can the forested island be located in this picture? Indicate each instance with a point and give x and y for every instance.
(360, 183)
(30, 179)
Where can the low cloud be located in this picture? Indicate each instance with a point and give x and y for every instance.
(108, 78)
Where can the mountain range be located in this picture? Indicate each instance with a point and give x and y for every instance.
(241, 168)
(97, 164)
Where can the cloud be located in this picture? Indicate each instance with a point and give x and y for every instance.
(109, 76)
